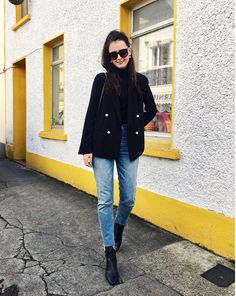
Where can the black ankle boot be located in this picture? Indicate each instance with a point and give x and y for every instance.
(112, 275)
(118, 230)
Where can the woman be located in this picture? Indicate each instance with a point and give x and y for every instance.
(114, 132)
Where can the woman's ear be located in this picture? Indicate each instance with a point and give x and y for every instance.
(129, 52)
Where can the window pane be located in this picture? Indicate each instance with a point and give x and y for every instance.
(154, 50)
(58, 53)
(151, 14)
(58, 95)
(164, 54)
(24, 8)
(153, 57)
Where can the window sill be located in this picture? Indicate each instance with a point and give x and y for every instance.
(54, 135)
(21, 22)
(161, 149)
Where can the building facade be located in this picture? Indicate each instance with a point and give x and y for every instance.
(2, 81)
(185, 48)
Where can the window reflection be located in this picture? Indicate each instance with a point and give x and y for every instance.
(57, 120)
(24, 8)
(153, 54)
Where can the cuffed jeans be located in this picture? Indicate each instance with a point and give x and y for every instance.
(127, 176)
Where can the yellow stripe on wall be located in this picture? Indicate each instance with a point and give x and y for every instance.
(206, 228)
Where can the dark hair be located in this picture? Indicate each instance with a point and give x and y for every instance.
(113, 80)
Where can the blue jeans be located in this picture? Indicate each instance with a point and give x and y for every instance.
(127, 176)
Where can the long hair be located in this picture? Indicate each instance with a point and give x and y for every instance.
(113, 79)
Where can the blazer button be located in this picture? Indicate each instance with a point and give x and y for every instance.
(136, 133)
(106, 115)
(108, 132)
(137, 115)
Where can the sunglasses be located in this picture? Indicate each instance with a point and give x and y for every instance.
(122, 53)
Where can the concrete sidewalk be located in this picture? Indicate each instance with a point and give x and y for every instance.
(50, 245)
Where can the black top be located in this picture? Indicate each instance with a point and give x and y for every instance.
(123, 74)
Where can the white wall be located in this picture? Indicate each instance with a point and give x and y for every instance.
(2, 80)
(203, 127)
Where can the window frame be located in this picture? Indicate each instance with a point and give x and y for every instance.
(49, 132)
(153, 146)
(19, 19)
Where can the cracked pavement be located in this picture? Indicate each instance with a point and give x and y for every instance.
(50, 245)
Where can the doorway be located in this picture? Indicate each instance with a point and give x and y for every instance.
(19, 111)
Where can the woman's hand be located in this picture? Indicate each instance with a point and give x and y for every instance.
(88, 159)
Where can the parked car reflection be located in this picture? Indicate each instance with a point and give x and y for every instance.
(160, 123)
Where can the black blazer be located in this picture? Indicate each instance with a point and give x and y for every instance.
(102, 128)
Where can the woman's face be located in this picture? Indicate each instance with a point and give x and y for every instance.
(120, 60)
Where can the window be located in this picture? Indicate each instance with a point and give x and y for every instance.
(152, 38)
(24, 8)
(151, 26)
(22, 15)
(57, 116)
(53, 88)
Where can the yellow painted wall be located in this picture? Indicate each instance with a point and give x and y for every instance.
(206, 228)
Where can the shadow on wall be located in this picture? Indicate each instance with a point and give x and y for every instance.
(2, 150)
